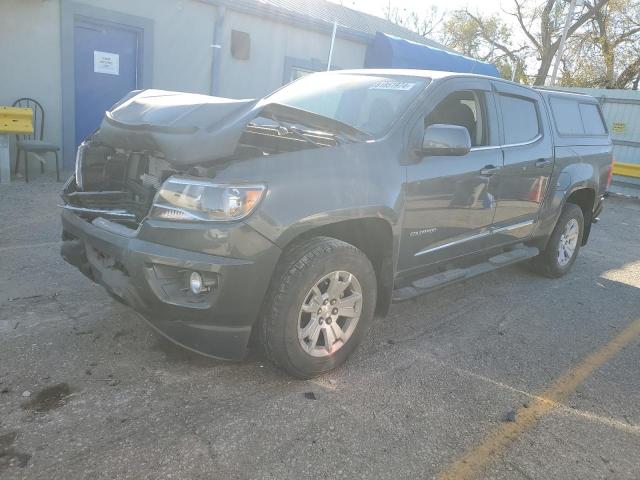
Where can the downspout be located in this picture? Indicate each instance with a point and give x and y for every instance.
(333, 41)
(216, 51)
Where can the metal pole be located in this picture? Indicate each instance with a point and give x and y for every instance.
(5, 161)
(333, 41)
(565, 30)
(216, 51)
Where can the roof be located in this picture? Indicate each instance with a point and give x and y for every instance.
(322, 11)
(554, 91)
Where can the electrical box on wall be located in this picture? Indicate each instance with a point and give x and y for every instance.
(240, 45)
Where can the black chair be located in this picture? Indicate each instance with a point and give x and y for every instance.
(33, 143)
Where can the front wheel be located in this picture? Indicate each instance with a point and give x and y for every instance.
(564, 244)
(319, 307)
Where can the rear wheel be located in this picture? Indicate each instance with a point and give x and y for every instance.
(319, 307)
(564, 244)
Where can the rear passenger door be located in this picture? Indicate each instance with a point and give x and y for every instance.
(527, 152)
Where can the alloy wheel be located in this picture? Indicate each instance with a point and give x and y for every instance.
(330, 313)
(568, 242)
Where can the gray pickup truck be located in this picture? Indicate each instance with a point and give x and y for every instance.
(297, 218)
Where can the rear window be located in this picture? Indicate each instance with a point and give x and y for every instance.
(520, 117)
(576, 118)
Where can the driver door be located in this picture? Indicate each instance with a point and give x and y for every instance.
(450, 200)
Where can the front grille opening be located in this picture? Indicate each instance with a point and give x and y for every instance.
(115, 184)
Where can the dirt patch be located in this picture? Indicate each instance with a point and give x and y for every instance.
(48, 398)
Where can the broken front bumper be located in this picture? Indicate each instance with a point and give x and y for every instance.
(148, 269)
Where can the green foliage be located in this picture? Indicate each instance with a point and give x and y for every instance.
(602, 48)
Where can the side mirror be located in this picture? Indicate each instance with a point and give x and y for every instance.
(446, 140)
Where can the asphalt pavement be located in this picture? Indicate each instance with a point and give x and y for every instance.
(506, 376)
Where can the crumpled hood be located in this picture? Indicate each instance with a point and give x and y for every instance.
(190, 129)
(187, 128)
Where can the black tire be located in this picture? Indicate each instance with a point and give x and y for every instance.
(547, 262)
(302, 265)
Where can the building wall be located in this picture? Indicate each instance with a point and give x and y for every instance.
(183, 34)
(30, 58)
(271, 43)
(30, 49)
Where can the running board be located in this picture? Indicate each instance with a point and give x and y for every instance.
(442, 279)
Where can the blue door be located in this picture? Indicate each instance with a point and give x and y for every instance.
(107, 63)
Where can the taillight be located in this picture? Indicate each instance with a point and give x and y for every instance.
(610, 175)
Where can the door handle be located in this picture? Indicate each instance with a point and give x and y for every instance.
(543, 162)
(489, 170)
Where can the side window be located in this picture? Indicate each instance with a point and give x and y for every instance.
(566, 115)
(465, 108)
(591, 119)
(520, 119)
(573, 117)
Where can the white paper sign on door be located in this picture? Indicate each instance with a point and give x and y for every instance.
(105, 62)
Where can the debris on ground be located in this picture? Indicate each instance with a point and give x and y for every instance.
(510, 416)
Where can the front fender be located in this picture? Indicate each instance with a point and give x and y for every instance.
(323, 219)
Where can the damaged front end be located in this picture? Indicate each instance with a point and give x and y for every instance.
(153, 135)
(143, 215)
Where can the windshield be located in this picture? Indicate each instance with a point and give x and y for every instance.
(369, 103)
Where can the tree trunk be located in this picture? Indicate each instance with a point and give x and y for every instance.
(545, 66)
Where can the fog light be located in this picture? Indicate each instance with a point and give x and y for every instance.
(196, 284)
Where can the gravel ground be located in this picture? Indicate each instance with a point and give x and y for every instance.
(89, 391)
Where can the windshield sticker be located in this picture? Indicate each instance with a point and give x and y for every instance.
(391, 85)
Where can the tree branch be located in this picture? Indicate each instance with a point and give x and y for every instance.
(509, 52)
(520, 17)
(628, 74)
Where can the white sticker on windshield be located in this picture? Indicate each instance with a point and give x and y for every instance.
(391, 85)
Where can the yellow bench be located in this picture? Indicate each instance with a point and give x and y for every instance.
(12, 121)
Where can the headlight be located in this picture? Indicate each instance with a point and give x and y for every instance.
(191, 199)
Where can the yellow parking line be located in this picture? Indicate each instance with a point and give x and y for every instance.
(473, 462)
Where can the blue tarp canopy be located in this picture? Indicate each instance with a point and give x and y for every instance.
(388, 51)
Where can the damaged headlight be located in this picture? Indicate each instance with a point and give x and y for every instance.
(191, 199)
(79, 167)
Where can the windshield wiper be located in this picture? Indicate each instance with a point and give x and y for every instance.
(286, 128)
(320, 123)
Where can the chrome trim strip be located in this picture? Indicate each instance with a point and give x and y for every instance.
(118, 213)
(477, 236)
(515, 226)
(506, 145)
(455, 242)
(521, 144)
(486, 147)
